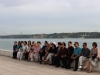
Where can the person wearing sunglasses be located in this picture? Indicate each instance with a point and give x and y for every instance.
(76, 54)
(93, 60)
(68, 55)
(84, 55)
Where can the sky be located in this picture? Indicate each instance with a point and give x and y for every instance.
(49, 16)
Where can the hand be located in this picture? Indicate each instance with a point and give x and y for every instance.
(65, 56)
(71, 57)
(62, 56)
(74, 58)
(47, 52)
(55, 55)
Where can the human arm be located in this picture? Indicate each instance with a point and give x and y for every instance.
(79, 53)
(72, 56)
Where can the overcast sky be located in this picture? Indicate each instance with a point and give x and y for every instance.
(49, 16)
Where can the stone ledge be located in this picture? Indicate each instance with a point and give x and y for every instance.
(9, 53)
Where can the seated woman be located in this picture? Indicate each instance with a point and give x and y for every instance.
(28, 50)
(36, 52)
(47, 49)
(62, 56)
(20, 54)
(52, 51)
(30, 57)
(56, 55)
(42, 52)
(19, 45)
(93, 58)
(25, 49)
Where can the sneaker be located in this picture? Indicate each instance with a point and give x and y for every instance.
(74, 70)
(32, 60)
(80, 67)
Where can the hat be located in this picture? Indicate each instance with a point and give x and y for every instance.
(54, 43)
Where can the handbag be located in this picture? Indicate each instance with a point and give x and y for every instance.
(95, 62)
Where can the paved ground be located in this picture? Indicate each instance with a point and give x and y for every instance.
(9, 66)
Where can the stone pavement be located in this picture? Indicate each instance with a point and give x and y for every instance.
(9, 66)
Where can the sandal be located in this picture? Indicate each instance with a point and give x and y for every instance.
(84, 68)
(89, 72)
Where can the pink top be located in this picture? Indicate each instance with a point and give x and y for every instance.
(35, 49)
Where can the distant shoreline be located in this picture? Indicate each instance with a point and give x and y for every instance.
(55, 35)
(49, 38)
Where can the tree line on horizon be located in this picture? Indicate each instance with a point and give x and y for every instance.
(57, 35)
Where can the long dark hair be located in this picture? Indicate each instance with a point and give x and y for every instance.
(29, 43)
(19, 43)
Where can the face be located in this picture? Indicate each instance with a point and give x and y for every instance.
(63, 45)
(69, 44)
(32, 42)
(84, 46)
(75, 44)
(48, 45)
(29, 42)
(24, 43)
(15, 43)
(45, 44)
(18, 43)
(59, 45)
(93, 46)
(38, 44)
(52, 45)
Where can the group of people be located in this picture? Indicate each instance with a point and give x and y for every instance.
(55, 54)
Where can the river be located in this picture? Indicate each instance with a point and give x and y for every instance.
(7, 44)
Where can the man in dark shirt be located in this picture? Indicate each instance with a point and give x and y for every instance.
(69, 54)
(85, 55)
(15, 50)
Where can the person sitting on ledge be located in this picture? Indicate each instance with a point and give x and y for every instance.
(62, 55)
(68, 55)
(56, 55)
(25, 48)
(42, 52)
(93, 60)
(84, 55)
(75, 56)
(15, 50)
(52, 51)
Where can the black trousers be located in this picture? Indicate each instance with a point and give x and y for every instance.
(76, 63)
(61, 59)
(54, 60)
(42, 54)
(15, 54)
(26, 55)
(68, 61)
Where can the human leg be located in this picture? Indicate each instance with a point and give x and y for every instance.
(76, 64)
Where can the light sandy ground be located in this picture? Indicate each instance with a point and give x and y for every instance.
(9, 66)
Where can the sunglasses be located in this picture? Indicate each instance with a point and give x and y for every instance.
(83, 45)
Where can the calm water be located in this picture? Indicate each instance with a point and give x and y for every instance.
(7, 44)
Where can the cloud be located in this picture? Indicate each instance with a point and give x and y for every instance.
(48, 16)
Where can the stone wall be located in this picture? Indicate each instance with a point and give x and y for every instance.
(6, 53)
(9, 53)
